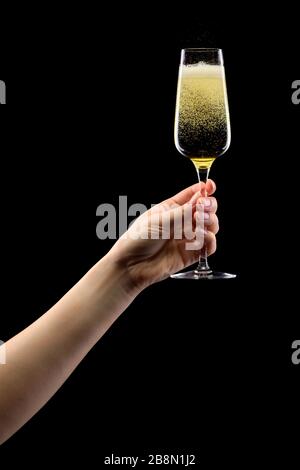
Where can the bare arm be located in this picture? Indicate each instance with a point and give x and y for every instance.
(40, 358)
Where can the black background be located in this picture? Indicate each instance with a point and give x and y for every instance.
(190, 367)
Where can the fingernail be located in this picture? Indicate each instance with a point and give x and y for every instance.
(206, 215)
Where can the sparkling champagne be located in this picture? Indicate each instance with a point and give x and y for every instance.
(202, 130)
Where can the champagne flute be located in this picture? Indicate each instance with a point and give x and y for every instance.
(202, 126)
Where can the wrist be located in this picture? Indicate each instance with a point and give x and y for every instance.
(115, 275)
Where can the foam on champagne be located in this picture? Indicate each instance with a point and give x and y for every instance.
(202, 69)
(202, 121)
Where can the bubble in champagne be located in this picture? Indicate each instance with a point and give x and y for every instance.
(202, 123)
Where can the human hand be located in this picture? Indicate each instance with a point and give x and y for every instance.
(151, 250)
(148, 257)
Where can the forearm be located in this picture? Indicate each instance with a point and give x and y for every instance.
(40, 358)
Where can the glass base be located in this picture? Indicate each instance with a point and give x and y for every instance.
(205, 276)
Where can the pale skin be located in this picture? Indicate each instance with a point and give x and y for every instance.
(40, 358)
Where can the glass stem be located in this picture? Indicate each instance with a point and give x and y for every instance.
(203, 266)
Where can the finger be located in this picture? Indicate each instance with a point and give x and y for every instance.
(211, 222)
(210, 187)
(180, 219)
(185, 196)
(210, 243)
(194, 199)
(209, 203)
